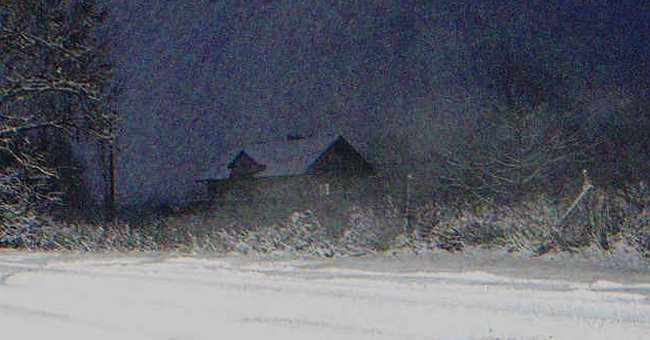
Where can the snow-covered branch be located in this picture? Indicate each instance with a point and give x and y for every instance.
(41, 85)
(26, 40)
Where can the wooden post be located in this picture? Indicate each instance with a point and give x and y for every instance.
(586, 186)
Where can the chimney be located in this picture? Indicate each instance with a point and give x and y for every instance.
(293, 136)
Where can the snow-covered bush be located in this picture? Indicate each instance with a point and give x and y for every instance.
(602, 220)
(372, 229)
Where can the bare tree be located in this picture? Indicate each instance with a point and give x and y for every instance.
(57, 80)
(513, 144)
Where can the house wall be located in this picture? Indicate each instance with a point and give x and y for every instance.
(294, 191)
(339, 179)
(270, 200)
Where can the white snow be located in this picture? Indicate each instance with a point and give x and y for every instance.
(58, 296)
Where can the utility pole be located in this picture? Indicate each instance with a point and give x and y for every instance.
(109, 178)
(407, 208)
(110, 202)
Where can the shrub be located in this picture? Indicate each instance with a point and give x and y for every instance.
(602, 218)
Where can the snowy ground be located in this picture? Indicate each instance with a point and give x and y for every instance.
(64, 296)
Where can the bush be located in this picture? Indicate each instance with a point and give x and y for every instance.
(601, 219)
(373, 229)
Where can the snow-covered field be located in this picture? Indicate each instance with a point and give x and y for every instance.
(67, 296)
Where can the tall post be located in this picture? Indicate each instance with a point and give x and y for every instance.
(110, 201)
(407, 209)
(109, 178)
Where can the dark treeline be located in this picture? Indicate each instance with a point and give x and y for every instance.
(489, 100)
(521, 97)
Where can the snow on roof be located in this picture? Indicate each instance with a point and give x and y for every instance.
(281, 157)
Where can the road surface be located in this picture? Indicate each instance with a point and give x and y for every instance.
(59, 296)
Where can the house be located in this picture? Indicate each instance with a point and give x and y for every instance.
(290, 171)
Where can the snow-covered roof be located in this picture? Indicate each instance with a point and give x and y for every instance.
(281, 158)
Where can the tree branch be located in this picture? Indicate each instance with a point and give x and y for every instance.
(19, 129)
(44, 85)
(32, 39)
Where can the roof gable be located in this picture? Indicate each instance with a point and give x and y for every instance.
(244, 165)
(340, 156)
(279, 158)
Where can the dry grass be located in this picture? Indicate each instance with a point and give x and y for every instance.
(602, 219)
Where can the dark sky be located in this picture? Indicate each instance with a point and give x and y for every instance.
(204, 76)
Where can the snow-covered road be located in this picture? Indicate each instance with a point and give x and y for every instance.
(55, 296)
